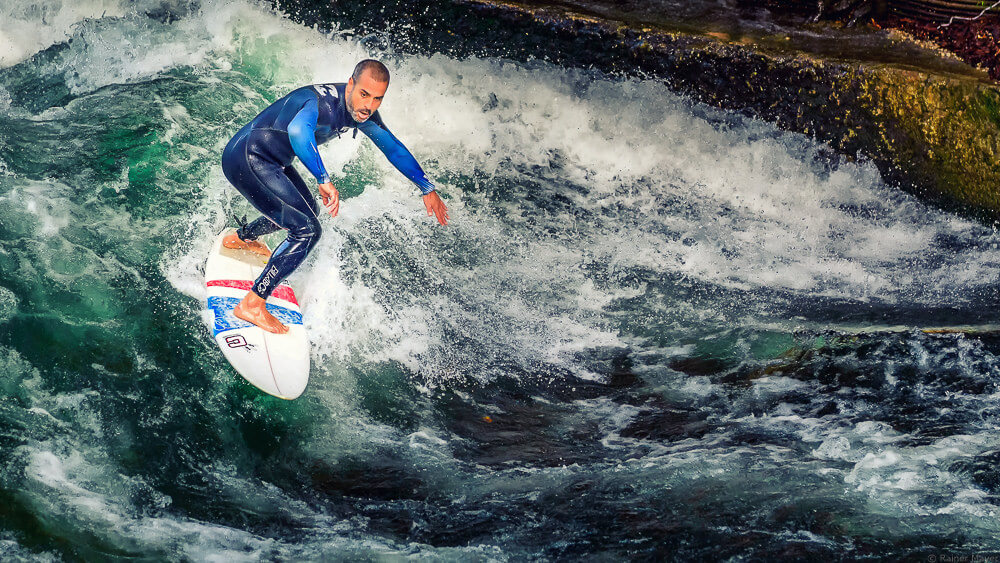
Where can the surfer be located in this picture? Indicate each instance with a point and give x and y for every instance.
(258, 162)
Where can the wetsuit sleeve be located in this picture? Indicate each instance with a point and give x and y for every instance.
(397, 154)
(302, 136)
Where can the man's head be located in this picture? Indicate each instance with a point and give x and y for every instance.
(366, 88)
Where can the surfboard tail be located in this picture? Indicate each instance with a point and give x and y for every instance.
(277, 364)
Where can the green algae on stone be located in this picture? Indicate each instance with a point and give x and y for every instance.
(940, 132)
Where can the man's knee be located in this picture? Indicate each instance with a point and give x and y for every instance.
(308, 231)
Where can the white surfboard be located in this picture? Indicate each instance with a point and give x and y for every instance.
(277, 364)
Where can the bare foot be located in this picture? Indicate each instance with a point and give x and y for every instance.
(235, 242)
(253, 310)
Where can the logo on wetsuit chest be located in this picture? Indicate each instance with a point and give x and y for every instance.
(325, 90)
(268, 278)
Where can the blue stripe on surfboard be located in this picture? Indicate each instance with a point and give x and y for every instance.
(225, 320)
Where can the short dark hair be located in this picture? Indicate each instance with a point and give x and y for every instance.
(378, 70)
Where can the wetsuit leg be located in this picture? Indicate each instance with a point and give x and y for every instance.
(257, 228)
(238, 174)
(302, 188)
(281, 195)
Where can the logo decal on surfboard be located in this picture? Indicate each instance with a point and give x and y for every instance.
(237, 341)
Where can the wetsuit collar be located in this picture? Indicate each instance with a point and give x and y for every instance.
(342, 104)
(342, 94)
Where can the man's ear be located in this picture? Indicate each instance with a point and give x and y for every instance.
(350, 82)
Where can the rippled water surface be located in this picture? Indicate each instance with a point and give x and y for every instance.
(653, 330)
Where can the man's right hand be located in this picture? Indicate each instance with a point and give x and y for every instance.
(331, 198)
(436, 207)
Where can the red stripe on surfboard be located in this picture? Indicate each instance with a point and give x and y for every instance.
(281, 292)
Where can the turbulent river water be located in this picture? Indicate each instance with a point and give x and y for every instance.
(653, 330)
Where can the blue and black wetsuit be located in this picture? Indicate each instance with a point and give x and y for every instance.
(258, 162)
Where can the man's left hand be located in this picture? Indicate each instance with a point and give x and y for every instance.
(436, 207)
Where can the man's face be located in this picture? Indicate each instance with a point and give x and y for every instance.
(365, 96)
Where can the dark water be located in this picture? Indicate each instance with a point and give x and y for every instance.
(653, 331)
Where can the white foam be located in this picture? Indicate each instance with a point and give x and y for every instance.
(8, 304)
(775, 385)
(39, 207)
(838, 447)
(32, 26)
(11, 550)
(762, 216)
